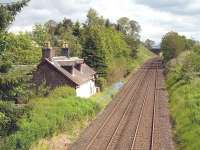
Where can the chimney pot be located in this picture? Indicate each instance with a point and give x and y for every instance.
(65, 49)
(47, 51)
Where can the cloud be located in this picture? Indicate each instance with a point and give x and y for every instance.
(155, 17)
(181, 7)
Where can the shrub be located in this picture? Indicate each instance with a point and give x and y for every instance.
(50, 114)
(62, 92)
(4, 121)
(10, 113)
(173, 44)
(15, 85)
(101, 82)
(185, 100)
(4, 66)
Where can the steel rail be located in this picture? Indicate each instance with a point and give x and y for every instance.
(112, 112)
(154, 112)
(127, 110)
(138, 123)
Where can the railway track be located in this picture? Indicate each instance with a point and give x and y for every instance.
(131, 120)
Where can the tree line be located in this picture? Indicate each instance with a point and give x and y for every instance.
(101, 43)
(109, 48)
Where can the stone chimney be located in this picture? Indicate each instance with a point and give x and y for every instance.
(65, 49)
(47, 51)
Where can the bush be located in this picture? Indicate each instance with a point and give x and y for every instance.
(10, 113)
(15, 85)
(173, 44)
(62, 92)
(185, 100)
(4, 121)
(21, 49)
(4, 66)
(50, 114)
(101, 82)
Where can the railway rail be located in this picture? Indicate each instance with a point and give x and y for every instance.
(131, 120)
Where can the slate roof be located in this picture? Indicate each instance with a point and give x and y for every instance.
(78, 77)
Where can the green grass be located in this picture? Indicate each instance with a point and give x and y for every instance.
(143, 55)
(185, 108)
(61, 111)
(55, 113)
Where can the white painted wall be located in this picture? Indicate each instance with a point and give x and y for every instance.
(86, 90)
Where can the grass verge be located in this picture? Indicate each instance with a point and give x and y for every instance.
(184, 98)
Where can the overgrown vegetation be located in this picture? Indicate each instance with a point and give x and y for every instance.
(183, 84)
(173, 44)
(27, 115)
(56, 112)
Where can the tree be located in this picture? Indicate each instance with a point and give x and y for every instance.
(135, 29)
(73, 42)
(129, 27)
(108, 24)
(7, 16)
(123, 25)
(93, 18)
(8, 13)
(40, 34)
(172, 45)
(21, 50)
(77, 29)
(149, 43)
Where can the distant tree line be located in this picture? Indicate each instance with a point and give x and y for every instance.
(100, 42)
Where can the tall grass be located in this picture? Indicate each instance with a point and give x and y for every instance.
(49, 115)
(184, 98)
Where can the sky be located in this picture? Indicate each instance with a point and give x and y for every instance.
(156, 17)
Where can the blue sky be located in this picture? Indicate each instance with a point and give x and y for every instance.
(156, 17)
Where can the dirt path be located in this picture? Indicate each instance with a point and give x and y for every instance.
(136, 119)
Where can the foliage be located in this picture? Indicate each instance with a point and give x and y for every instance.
(47, 116)
(39, 34)
(133, 44)
(21, 50)
(62, 92)
(173, 44)
(16, 64)
(129, 27)
(143, 54)
(15, 85)
(8, 13)
(74, 45)
(184, 103)
(5, 65)
(7, 16)
(101, 82)
(102, 46)
(98, 40)
(94, 19)
(191, 63)
(149, 43)
(183, 84)
(9, 114)
(4, 121)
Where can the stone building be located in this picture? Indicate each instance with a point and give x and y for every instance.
(64, 70)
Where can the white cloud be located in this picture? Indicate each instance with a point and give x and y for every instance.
(155, 17)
